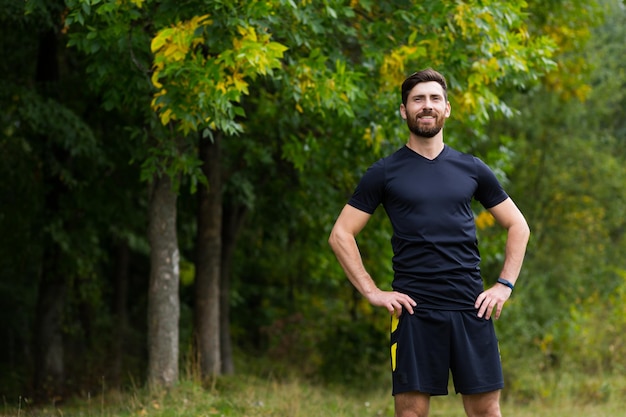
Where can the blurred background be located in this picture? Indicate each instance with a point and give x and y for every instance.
(170, 172)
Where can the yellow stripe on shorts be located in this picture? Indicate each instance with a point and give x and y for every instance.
(394, 326)
(394, 323)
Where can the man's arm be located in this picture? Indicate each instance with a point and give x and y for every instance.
(508, 216)
(343, 242)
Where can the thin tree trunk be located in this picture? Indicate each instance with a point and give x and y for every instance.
(48, 338)
(120, 312)
(163, 292)
(49, 373)
(232, 224)
(208, 260)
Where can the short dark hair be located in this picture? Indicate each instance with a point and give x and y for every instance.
(423, 76)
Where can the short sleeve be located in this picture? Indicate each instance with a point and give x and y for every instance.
(489, 191)
(369, 193)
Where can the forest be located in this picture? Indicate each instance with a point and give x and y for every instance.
(171, 170)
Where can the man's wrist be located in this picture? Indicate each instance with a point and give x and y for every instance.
(506, 282)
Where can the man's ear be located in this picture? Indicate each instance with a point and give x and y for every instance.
(403, 111)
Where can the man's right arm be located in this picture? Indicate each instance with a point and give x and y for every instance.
(343, 242)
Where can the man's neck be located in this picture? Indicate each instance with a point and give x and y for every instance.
(429, 148)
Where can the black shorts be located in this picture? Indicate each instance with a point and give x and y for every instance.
(429, 345)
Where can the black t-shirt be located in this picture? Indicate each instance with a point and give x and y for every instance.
(436, 258)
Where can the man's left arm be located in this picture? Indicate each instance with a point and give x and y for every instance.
(511, 218)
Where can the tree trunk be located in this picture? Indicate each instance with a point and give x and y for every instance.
(48, 338)
(49, 373)
(208, 260)
(163, 299)
(232, 224)
(120, 312)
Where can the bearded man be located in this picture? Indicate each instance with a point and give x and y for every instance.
(441, 314)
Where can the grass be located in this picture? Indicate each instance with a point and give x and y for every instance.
(251, 396)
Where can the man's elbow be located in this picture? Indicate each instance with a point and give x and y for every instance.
(332, 238)
(337, 238)
(524, 229)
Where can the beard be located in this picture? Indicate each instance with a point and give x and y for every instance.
(425, 131)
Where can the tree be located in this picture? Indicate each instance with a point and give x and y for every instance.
(568, 169)
(118, 45)
(218, 82)
(50, 140)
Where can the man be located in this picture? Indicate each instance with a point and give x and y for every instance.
(441, 314)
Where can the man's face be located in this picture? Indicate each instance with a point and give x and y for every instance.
(426, 109)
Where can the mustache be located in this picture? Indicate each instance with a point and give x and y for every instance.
(426, 113)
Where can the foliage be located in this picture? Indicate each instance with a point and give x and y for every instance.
(560, 20)
(569, 175)
(604, 346)
(206, 94)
